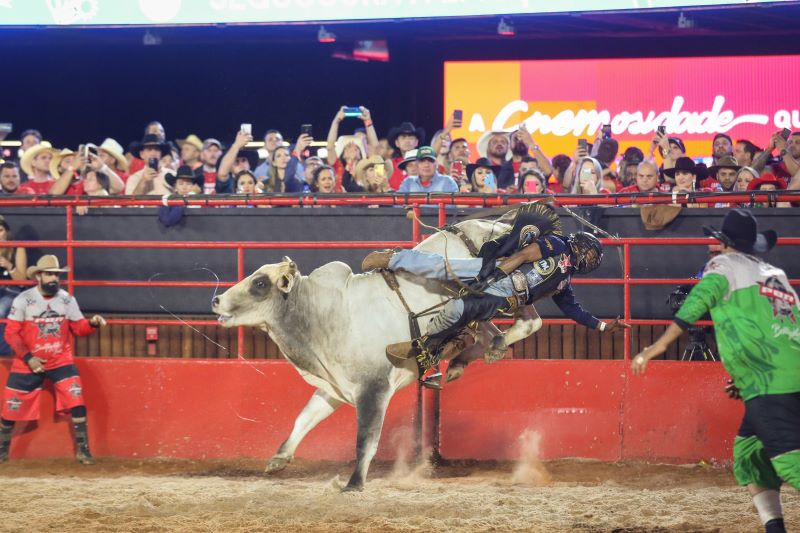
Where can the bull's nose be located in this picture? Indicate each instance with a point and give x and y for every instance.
(215, 301)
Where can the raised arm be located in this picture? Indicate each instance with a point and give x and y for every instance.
(373, 145)
(333, 134)
(544, 162)
(229, 159)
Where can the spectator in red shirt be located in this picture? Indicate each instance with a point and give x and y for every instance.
(722, 146)
(72, 168)
(724, 173)
(36, 164)
(646, 178)
(745, 152)
(191, 151)
(532, 181)
(39, 327)
(495, 146)
(403, 138)
(522, 144)
(212, 151)
(768, 182)
(560, 164)
(9, 178)
(136, 163)
(110, 152)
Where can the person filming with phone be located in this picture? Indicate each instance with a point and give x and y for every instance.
(151, 180)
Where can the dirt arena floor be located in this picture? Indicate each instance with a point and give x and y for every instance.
(235, 496)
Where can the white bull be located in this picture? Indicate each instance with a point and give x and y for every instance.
(334, 326)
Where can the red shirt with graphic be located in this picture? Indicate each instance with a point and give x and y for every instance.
(41, 326)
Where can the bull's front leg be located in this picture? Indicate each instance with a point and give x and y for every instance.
(319, 407)
(526, 322)
(370, 410)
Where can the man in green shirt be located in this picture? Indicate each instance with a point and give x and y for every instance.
(755, 313)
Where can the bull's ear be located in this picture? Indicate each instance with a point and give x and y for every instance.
(292, 268)
(286, 282)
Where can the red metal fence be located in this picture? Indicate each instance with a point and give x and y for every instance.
(587, 408)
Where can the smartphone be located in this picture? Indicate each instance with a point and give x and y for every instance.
(246, 128)
(352, 111)
(305, 129)
(380, 170)
(662, 129)
(153, 163)
(458, 116)
(456, 168)
(606, 131)
(582, 143)
(489, 182)
(785, 132)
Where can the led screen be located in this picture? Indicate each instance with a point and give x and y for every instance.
(561, 101)
(146, 12)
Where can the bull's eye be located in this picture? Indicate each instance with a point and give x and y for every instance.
(260, 284)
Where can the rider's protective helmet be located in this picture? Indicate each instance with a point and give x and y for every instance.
(588, 251)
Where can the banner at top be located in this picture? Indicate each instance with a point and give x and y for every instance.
(149, 12)
(561, 101)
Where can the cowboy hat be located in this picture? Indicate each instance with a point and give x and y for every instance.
(185, 172)
(193, 140)
(767, 178)
(364, 164)
(406, 128)
(344, 140)
(57, 161)
(483, 143)
(411, 156)
(485, 163)
(685, 164)
(727, 161)
(46, 263)
(151, 140)
(30, 155)
(114, 149)
(740, 231)
(658, 216)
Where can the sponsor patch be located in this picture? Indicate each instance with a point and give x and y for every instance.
(782, 301)
(75, 390)
(564, 263)
(545, 267)
(14, 403)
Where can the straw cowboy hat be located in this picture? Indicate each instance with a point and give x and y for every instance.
(344, 140)
(57, 161)
(364, 164)
(483, 143)
(46, 263)
(114, 149)
(30, 155)
(193, 140)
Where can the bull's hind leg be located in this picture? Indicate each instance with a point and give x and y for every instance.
(526, 323)
(318, 408)
(370, 410)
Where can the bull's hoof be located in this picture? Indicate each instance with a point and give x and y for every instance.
(454, 372)
(353, 488)
(496, 350)
(276, 464)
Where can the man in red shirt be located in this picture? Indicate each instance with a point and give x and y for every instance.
(36, 165)
(646, 179)
(38, 330)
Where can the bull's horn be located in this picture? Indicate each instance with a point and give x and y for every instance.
(287, 259)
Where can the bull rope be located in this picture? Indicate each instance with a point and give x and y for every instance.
(185, 323)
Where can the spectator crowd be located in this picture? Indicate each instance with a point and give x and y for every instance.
(405, 161)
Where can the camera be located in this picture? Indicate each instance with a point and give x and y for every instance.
(697, 347)
(662, 129)
(153, 163)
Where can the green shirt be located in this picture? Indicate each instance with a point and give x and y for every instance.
(755, 313)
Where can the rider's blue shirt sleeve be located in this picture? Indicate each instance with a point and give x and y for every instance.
(565, 300)
(551, 246)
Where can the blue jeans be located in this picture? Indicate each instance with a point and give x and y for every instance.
(7, 295)
(432, 266)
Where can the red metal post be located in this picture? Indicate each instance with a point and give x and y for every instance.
(442, 216)
(70, 259)
(240, 277)
(626, 254)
